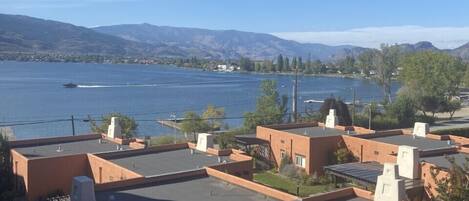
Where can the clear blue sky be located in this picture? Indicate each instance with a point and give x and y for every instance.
(249, 15)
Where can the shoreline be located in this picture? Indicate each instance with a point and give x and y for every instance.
(332, 75)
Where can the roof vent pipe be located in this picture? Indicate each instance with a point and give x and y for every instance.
(59, 148)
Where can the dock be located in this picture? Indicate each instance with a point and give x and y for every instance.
(172, 123)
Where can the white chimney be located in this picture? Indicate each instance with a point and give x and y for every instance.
(204, 141)
(389, 187)
(82, 189)
(114, 130)
(408, 159)
(421, 129)
(331, 119)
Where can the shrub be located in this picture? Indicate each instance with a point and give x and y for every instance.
(343, 155)
(290, 171)
(7, 191)
(463, 132)
(379, 122)
(384, 122)
(284, 161)
(426, 119)
(162, 140)
(225, 140)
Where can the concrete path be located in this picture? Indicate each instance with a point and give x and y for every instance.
(451, 124)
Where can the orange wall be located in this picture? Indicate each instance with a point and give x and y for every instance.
(20, 169)
(251, 185)
(369, 150)
(103, 171)
(321, 150)
(292, 144)
(46, 175)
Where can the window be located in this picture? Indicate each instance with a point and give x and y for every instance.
(283, 154)
(300, 161)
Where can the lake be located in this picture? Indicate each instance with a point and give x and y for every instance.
(34, 93)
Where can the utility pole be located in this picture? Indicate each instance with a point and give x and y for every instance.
(369, 118)
(353, 107)
(73, 125)
(295, 96)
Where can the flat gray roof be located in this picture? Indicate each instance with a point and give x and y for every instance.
(196, 189)
(166, 162)
(419, 142)
(315, 131)
(68, 148)
(441, 161)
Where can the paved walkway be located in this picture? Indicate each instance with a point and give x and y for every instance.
(451, 124)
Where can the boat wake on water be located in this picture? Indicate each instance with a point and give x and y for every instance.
(221, 83)
(115, 86)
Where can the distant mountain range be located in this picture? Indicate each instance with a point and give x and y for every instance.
(27, 34)
(226, 43)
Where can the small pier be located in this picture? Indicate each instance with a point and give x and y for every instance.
(172, 123)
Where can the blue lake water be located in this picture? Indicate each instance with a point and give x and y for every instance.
(33, 92)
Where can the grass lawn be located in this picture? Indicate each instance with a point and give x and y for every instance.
(284, 184)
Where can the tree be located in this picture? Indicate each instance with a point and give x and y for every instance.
(300, 65)
(432, 79)
(7, 191)
(341, 108)
(127, 123)
(451, 107)
(246, 64)
(279, 63)
(403, 109)
(294, 63)
(343, 155)
(455, 186)
(386, 63)
(270, 107)
(193, 124)
(214, 117)
(365, 61)
(286, 65)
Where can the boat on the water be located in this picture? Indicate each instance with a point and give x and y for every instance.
(70, 85)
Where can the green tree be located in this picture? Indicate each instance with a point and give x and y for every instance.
(386, 63)
(286, 64)
(294, 63)
(451, 107)
(343, 155)
(128, 124)
(270, 107)
(246, 64)
(214, 117)
(300, 66)
(403, 109)
(279, 63)
(455, 186)
(365, 61)
(7, 191)
(341, 108)
(432, 79)
(193, 124)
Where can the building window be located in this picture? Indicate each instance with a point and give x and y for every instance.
(300, 161)
(283, 154)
